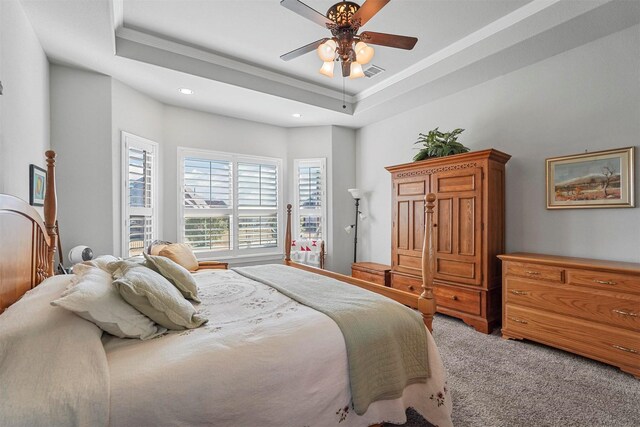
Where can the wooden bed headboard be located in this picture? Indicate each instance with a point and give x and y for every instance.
(27, 243)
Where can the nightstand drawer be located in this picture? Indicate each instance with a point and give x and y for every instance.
(603, 280)
(457, 299)
(599, 306)
(536, 271)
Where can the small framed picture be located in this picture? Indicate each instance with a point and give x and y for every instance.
(602, 179)
(37, 185)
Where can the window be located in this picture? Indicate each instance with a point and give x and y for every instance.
(310, 202)
(229, 203)
(139, 166)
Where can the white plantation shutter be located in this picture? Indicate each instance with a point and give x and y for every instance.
(257, 205)
(139, 193)
(310, 209)
(207, 203)
(229, 202)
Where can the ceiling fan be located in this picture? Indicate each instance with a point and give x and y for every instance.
(344, 19)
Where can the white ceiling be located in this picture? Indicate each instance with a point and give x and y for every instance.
(228, 51)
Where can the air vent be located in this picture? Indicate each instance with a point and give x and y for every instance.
(373, 71)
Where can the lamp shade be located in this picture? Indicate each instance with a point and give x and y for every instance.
(356, 71)
(355, 193)
(327, 50)
(79, 254)
(327, 68)
(364, 53)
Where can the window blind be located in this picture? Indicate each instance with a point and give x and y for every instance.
(257, 185)
(310, 208)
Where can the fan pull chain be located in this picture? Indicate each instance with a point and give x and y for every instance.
(344, 104)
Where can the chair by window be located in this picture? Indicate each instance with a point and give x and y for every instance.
(308, 251)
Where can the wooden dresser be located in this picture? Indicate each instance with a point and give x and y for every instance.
(469, 227)
(372, 272)
(584, 306)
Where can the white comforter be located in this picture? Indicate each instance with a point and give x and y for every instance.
(261, 360)
(53, 368)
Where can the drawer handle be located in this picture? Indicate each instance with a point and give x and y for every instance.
(411, 288)
(533, 273)
(604, 282)
(628, 350)
(515, 292)
(515, 319)
(454, 297)
(625, 313)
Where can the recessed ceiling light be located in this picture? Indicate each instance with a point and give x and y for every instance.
(297, 115)
(185, 91)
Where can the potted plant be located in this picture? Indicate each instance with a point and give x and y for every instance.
(439, 144)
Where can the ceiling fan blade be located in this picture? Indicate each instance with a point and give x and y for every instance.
(302, 50)
(346, 68)
(307, 12)
(390, 40)
(367, 11)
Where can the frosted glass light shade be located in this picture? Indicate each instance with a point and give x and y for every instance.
(327, 68)
(364, 53)
(327, 50)
(355, 193)
(356, 71)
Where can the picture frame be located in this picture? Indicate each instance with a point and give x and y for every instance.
(37, 185)
(601, 179)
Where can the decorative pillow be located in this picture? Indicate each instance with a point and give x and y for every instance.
(93, 297)
(176, 274)
(154, 296)
(180, 253)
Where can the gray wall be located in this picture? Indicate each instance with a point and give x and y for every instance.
(81, 135)
(587, 98)
(343, 155)
(24, 107)
(135, 113)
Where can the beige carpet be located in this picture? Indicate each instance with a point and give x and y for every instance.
(497, 383)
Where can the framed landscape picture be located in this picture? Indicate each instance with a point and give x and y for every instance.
(602, 179)
(37, 185)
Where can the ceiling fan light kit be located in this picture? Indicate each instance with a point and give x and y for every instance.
(344, 19)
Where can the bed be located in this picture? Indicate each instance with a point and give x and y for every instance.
(263, 358)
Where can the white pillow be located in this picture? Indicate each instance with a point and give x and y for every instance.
(93, 297)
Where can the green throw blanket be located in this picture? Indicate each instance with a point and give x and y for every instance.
(386, 341)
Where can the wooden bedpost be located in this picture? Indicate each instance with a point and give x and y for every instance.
(427, 302)
(51, 210)
(287, 236)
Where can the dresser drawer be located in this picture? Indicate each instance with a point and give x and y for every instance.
(595, 305)
(406, 283)
(603, 280)
(535, 271)
(608, 344)
(457, 299)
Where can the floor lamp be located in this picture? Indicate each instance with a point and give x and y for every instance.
(356, 194)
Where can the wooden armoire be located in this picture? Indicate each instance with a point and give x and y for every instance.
(469, 226)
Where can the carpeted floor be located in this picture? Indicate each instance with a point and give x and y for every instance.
(495, 382)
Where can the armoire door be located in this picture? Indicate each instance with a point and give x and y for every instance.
(408, 224)
(458, 225)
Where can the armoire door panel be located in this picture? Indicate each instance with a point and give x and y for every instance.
(410, 262)
(444, 226)
(465, 270)
(467, 226)
(418, 225)
(403, 225)
(456, 182)
(414, 188)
